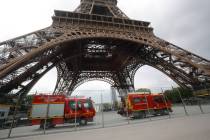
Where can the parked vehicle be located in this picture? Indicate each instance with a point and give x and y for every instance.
(4, 113)
(7, 116)
(142, 105)
(59, 109)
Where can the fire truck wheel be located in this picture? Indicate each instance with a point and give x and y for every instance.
(143, 115)
(41, 126)
(83, 121)
(47, 125)
(139, 115)
(53, 125)
(164, 112)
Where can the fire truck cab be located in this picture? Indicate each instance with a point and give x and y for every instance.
(50, 110)
(141, 105)
(80, 108)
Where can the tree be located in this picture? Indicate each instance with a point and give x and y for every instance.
(107, 107)
(173, 94)
(143, 90)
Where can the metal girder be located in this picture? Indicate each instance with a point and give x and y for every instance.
(22, 45)
(88, 6)
(89, 44)
(26, 88)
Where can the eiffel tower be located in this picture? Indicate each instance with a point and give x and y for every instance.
(95, 42)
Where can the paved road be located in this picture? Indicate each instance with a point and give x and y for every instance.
(195, 127)
(110, 119)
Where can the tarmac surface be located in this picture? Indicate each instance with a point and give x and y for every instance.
(195, 127)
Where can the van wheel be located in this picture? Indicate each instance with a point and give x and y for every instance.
(83, 122)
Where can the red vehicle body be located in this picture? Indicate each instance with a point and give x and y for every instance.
(58, 109)
(141, 105)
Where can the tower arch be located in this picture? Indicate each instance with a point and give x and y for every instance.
(83, 46)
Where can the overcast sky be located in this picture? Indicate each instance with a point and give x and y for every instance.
(182, 22)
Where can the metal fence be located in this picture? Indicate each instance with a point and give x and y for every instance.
(18, 125)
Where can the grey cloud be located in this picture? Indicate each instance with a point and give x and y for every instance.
(182, 22)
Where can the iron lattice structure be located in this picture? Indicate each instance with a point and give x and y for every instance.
(96, 41)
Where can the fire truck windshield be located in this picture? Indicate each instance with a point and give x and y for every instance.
(72, 105)
(138, 100)
(158, 99)
(88, 104)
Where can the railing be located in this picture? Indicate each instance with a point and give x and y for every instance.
(107, 116)
(76, 18)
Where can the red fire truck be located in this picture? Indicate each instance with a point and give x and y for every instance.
(139, 105)
(58, 109)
